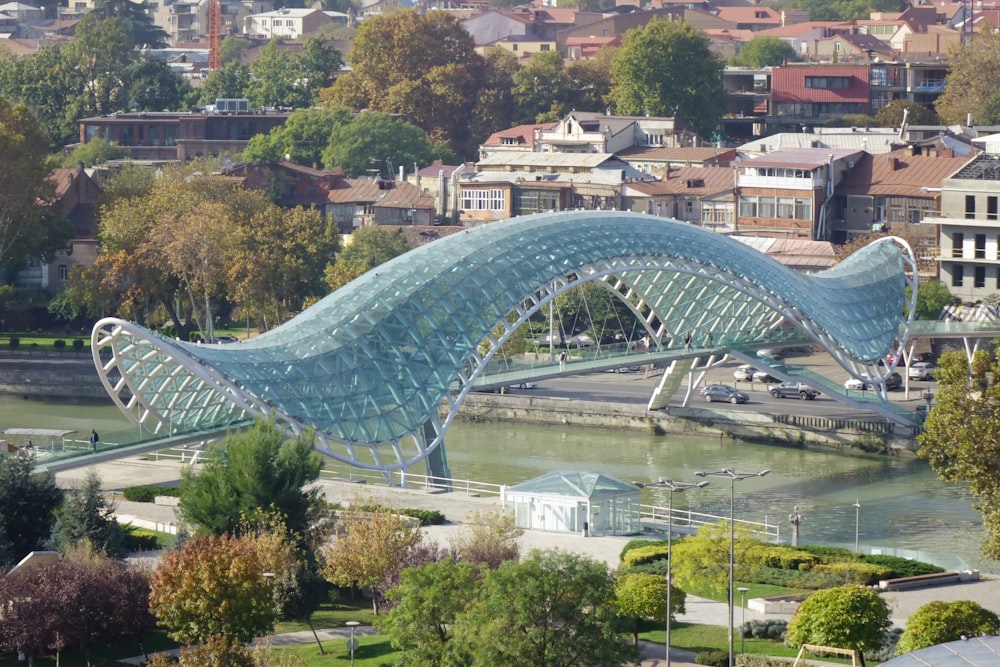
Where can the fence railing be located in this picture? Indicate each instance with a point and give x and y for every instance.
(689, 519)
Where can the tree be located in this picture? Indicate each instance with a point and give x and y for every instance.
(262, 473)
(370, 246)
(430, 601)
(421, 66)
(932, 297)
(26, 231)
(847, 10)
(669, 69)
(940, 622)
(231, 80)
(376, 140)
(298, 593)
(280, 78)
(763, 52)
(702, 560)
(489, 539)
(641, 595)
(141, 30)
(854, 617)
(542, 89)
(494, 107)
(973, 79)
(365, 548)
(960, 439)
(94, 152)
(553, 608)
(590, 81)
(231, 48)
(28, 502)
(214, 586)
(302, 139)
(891, 115)
(86, 515)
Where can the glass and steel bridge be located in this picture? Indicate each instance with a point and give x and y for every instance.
(378, 369)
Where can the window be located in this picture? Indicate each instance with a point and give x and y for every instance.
(748, 207)
(957, 274)
(766, 207)
(803, 209)
(979, 279)
(991, 208)
(828, 82)
(63, 272)
(786, 207)
(546, 47)
(957, 241)
(970, 206)
(980, 246)
(483, 200)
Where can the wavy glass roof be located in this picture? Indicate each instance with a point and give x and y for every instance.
(369, 365)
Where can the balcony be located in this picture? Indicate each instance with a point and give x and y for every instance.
(782, 182)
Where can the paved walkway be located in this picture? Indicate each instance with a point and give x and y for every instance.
(458, 508)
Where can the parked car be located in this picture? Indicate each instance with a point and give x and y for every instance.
(226, 339)
(770, 354)
(893, 382)
(921, 370)
(524, 385)
(859, 384)
(723, 392)
(793, 389)
(744, 372)
(764, 377)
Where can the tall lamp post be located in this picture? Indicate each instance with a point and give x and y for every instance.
(857, 523)
(352, 643)
(733, 477)
(679, 487)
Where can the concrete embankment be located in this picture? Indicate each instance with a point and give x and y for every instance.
(74, 377)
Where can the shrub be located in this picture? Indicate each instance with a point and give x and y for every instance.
(14, 343)
(60, 345)
(757, 660)
(940, 622)
(773, 629)
(138, 539)
(865, 574)
(148, 492)
(32, 348)
(785, 558)
(902, 567)
(644, 555)
(78, 345)
(809, 579)
(712, 658)
(656, 567)
(426, 517)
(638, 544)
(829, 554)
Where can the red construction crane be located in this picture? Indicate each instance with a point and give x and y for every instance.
(214, 34)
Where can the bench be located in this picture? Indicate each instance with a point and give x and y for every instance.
(921, 580)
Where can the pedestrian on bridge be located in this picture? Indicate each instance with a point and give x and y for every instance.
(562, 361)
(687, 341)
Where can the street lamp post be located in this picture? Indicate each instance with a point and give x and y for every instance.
(352, 643)
(679, 487)
(743, 617)
(733, 476)
(857, 523)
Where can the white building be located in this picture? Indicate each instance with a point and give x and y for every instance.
(287, 23)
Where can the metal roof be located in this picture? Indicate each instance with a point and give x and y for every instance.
(973, 652)
(575, 485)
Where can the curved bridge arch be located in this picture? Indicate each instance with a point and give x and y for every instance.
(369, 365)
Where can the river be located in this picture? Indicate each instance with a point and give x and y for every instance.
(902, 504)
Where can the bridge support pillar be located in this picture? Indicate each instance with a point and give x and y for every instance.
(438, 472)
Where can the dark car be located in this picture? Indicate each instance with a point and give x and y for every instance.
(893, 382)
(793, 390)
(723, 392)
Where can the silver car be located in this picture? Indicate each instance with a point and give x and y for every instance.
(723, 392)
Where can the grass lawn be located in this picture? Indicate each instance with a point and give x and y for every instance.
(371, 652)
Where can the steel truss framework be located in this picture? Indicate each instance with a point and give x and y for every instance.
(368, 366)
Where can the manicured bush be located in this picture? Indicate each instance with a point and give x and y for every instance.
(829, 554)
(138, 539)
(656, 567)
(785, 558)
(148, 492)
(865, 574)
(638, 544)
(426, 517)
(757, 660)
(712, 658)
(78, 345)
(14, 343)
(60, 345)
(807, 579)
(773, 629)
(902, 567)
(644, 555)
(940, 622)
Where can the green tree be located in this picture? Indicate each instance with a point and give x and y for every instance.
(94, 152)
(973, 80)
(369, 247)
(298, 592)
(87, 516)
(494, 107)
(376, 140)
(28, 502)
(302, 139)
(853, 616)
(431, 599)
(231, 48)
(932, 297)
(960, 438)
(553, 608)
(542, 89)
(641, 596)
(262, 473)
(590, 81)
(214, 586)
(231, 80)
(763, 51)
(281, 78)
(421, 66)
(668, 68)
(702, 560)
(141, 30)
(891, 115)
(940, 622)
(489, 538)
(847, 10)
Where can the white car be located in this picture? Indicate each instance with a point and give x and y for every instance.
(524, 385)
(921, 370)
(745, 372)
(858, 384)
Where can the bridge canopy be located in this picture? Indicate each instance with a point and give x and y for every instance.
(369, 366)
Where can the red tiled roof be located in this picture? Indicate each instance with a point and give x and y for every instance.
(63, 179)
(798, 29)
(898, 173)
(754, 14)
(730, 34)
(523, 134)
(379, 194)
(697, 181)
(788, 84)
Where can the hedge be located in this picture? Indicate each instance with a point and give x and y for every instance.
(829, 554)
(139, 539)
(785, 558)
(638, 544)
(714, 658)
(148, 492)
(644, 555)
(902, 567)
(865, 574)
(658, 567)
